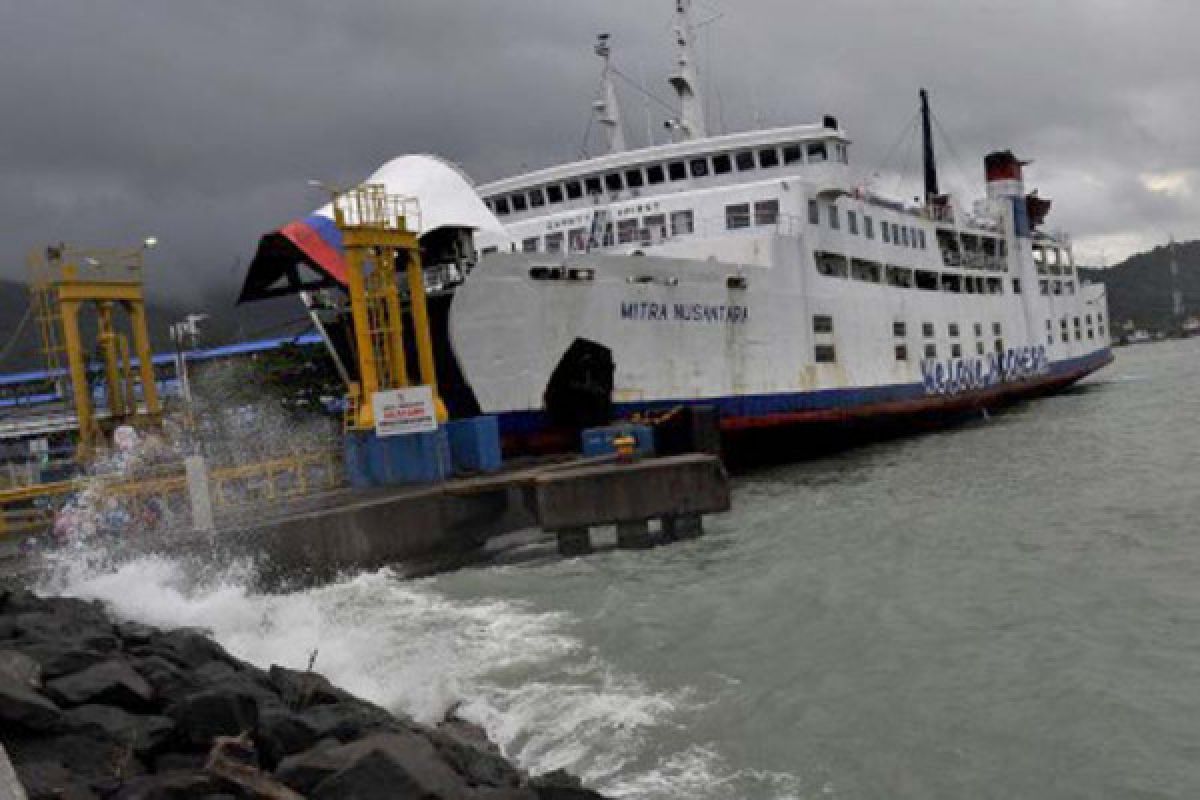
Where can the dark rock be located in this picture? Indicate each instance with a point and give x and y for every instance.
(466, 731)
(20, 601)
(20, 669)
(112, 682)
(23, 708)
(303, 771)
(93, 758)
(282, 733)
(186, 647)
(202, 716)
(350, 720)
(389, 765)
(562, 785)
(477, 766)
(220, 674)
(301, 690)
(61, 658)
(170, 682)
(173, 762)
(43, 626)
(179, 785)
(134, 634)
(144, 734)
(44, 780)
(488, 793)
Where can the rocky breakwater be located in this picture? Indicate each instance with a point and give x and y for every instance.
(96, 707)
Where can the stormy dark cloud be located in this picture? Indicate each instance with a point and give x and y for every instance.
(199, 121)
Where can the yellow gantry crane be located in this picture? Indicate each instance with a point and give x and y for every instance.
(67, 283)
(379, 237)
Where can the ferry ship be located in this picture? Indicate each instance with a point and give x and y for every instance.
(750, 272)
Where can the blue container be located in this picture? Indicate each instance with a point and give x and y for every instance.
(414, 458)
(599, 441)
(475, 444)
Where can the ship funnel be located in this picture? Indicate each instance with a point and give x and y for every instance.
(1006, 183)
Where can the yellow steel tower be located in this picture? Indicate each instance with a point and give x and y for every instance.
(66, 281)
(378, 242)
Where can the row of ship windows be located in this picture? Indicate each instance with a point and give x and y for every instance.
(647, 230)
(656, 174)
(890, 232)
(836, 265)
(826, 353)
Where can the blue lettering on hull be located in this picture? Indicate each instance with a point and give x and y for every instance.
(959, 375)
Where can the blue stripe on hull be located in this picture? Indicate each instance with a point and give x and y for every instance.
(748, 408)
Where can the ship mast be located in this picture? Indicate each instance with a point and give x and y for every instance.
(608, 110)
(931, 177)
(685, 80)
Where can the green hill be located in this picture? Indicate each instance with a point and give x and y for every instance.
(1139, 288)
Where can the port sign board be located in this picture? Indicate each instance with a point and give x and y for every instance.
(403, 411)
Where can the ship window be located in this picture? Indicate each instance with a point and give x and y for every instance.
(834, 220)
(654, 228)
(554, 242)
(825, 354)
(682, 223)
(1044, 285)
(817, 153)
(852, 222)
(792, 153)
(927, 280)
(997, 329)
(1070, 287)
(832, 265)
(519, 203)
(904, 236)
(768, 158)
(1100, 318)
(979, 348)
(868, 227)
(995, 286)
(593, 185)
(899, 276)
(921, 238)
(979, 328)
(744, 160)
(956, 350)
(901, 352)
(529, 245)
(627, 230)
(634, 179)
(814, 212)
(931, 351)
(721, 164)
(699, 167)
(577, 239)
(655, 174)
(953, 329)
(1000, 347)
(766, 212)
(1056, 287)
(822, 323)
(884, 227)
(501, 205)
(927, 330)
(869, 271)
(952, 283)
(537, 198)
(895, 233)
(554, 193)
(737, 216)
(1016, 285)
(900, 329)
(487, 251)
(574, 190)
(677, 170)
(612, 182)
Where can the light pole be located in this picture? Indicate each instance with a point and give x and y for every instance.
(184, 332)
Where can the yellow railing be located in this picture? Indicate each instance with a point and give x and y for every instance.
(276, 480)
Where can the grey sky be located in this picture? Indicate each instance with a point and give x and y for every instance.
(200, 120)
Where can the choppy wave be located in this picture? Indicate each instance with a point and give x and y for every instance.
(544, 696)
